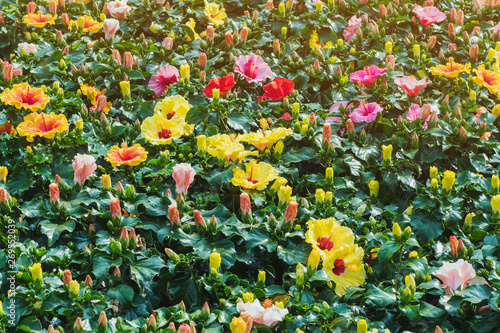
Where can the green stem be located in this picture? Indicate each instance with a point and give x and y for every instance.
(399, 268)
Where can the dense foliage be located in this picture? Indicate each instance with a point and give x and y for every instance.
(193, 166)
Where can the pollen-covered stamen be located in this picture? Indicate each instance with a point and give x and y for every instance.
(324, 243)
(165, 133)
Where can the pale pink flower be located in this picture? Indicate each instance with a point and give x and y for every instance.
(253, 68)
(119, 9)
(110, 26)
(183, 175)
(84, 166)
(368, 76)
(28, 47)
(166, 75)
(456, 275)
(428, 15)
(269, 316)
(366, 112)
(410, 85)
(353, 24)
(335, 108)
(167, 43)
(414, 113)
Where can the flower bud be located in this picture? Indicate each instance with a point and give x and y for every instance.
(373, 185)
(237, 325)
(387, 153)
(416, 51)
(431, 42)
(291, 212)
(88, 281)
(396, 231)
(102, 323)
(215, 261)
(299, 274)
(448, 180)
(362, 326)
(270, 5)
(261, 278)
(229, 38)
(313, 260)
(473, 51)
(495, 204)
(173, 214)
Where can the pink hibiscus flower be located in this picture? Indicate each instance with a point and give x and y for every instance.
(414, 113)
(428, 15)
(336, 109)
(253, 68)
(165, 76)
(368, 76)
(366, 112)
(353, 24)
(411, 86)
(455, 275)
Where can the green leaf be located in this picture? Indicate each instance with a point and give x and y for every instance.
(430, 311)
(146, 269)
(387, 251)
(411, 311)
(238, 121)
(184, 289)
(135, 75)
(123, 293)
(258, 237)
(475, 293)
(53, 231)
(433, 154)
(293, 253)
(30, 324)
(298, 155)
(425, 226)
(101, 266)
(380, 297)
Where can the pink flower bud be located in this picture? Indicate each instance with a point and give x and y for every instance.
(453, 245)
(382, 11)
(110, 26)
(291, 212)
(389, 60)
(269, 5)
(452, 47)
(276, 45)
(128, 59)
(31, 7)
(124, 234)
(67, 277)
(167, 43)
(173, 214)
(62, 3)
(54, 193)
(115, 54)
(184, 328)
(115, 209)
(183, 175)
(105, 9)
(198, 218)
(102, 103)
(453, 15)
(432, 42)
(244, 33)
(64, 19)
(460, 17)
(202, 60)
(2, 17)
(171, 326)
(451, 31)
(327, 132)
(210, 32)
(476, 31)
(52, 7)
(4, 196)
(349, 126)
(7, 71)
(229, 38)
(89, 45)
(245, 204)
(65, 50)
(473, 51)
(312, 118)
(59, 35)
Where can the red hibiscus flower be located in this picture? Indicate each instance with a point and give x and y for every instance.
(224, 84)
(278, 89)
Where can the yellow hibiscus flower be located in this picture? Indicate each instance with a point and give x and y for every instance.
(214, 13)
(40, 124)
(87, 23)
(451, 70)
(256, 176)
(160, 131)
(488, 79)
(265, 139)
(226, 147)
(344, 266)
(315, 44)
(22, 95)
(173, 106)
(327, 234)
(39, 20)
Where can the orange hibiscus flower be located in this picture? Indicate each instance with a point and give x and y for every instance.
(42, 125)
(126, 155)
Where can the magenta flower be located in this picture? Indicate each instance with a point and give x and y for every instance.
(455, 275)
(183, 175)
(428, 15)
(368, 76)
(253, 68)
(365, 112)
(353, 24)
(414, 113)
(411, 86)
(335, 109)
(166, 75)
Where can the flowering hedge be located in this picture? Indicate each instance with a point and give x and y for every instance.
(249, 166)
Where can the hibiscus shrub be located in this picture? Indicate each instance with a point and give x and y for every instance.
(249, 166)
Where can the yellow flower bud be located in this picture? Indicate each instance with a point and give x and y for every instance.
(468, 220)
(433, 172)
(362, 326)
(448, 180)
(410, 282)
(248, 297)
(374, 186)
(340, 42)
(280, 181)
(495, 204)
(319, 7)
(125, 87)
(237, 325)
(155, 28)
(329, 197)
(36, 272)
(472, 95)
(185, 69)
(106, 181)
(387, 152)
(278, 149)
(74, 289)
(495, 182)
(416, 51)
(313, 260)
(434, 183)
(320, 196)
(79, 125)
(491, 55)
(496, 110)
(329, 175)
(102, 16)
(396, 231)
(261, 277)
(55, 85)
(284, 194)
(3, 174)
(413, 254)
(215, 261)
(215, 94)
(388, 47)
(299, 274)
(303, 129)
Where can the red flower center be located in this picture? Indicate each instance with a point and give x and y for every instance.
(339, 267)
(170, 115)
(324, 243)
(253, 181)
(165, 133)
(250, 71)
